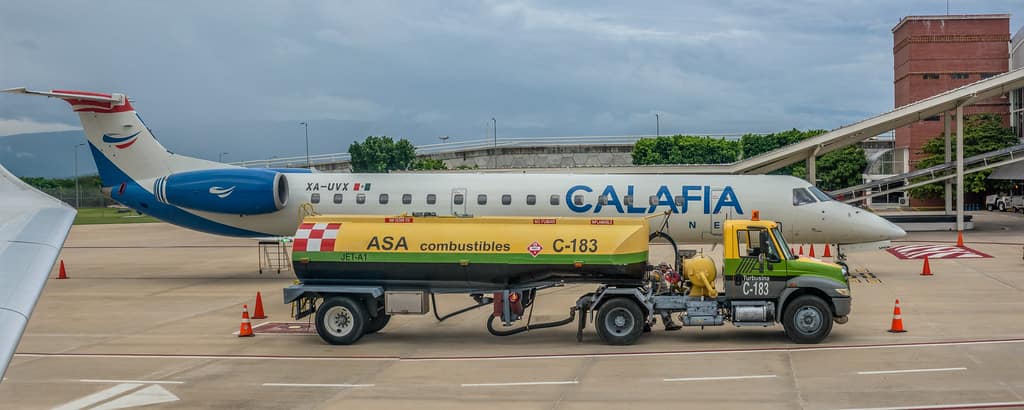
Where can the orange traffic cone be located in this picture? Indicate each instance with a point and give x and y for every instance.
(897, 319)
(258, 312)
(811, 253)
(828, 252)
(801, 249)
(245, 330)
(63, 273)
(960, 239)
(926, 270)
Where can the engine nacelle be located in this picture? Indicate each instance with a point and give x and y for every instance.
(240, 191)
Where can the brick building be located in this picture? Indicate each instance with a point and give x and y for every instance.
(932, 54)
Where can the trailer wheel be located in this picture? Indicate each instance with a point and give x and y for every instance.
(807, 320)
(378, 323)
(990, 207)
(341, 320)
(619, 321)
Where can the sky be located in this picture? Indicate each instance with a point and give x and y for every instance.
(238, 77)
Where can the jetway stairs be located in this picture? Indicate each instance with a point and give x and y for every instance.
(938, 173)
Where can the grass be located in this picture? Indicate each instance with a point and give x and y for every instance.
(94, 216)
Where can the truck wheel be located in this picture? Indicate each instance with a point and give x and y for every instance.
(1002, 207)
(341, 321)
(378, 323)
(619, 322)
(990, 207)
(807, 319)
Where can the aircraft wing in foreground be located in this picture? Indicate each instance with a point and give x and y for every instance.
(33, 227)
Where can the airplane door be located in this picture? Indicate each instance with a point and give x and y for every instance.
(458, 201)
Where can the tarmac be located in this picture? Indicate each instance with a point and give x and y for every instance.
(148, 314)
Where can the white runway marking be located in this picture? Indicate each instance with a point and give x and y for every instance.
(947, 406)
(698, 379)
(535, 357)
(130, 381)
(315, 385)
(144, 397)
(518, 384)
(98, 397)
(946, 369)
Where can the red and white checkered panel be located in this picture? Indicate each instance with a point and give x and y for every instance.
(318, 237)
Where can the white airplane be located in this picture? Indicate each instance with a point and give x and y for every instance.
(228, 200)
(33, 227)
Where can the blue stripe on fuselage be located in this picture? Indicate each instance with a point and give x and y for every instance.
(141, 200)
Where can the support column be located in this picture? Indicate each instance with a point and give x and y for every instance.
(960, 168)
(948, 184)
(812, 169)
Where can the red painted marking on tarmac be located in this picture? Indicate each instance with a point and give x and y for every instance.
(935, 252)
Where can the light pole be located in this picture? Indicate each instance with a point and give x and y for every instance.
(220, 157)
(77, 190)
(305, 124)
(495, 131)
(657, 122)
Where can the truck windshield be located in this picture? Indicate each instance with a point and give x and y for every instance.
(784, 247)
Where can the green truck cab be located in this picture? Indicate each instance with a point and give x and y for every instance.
(809, 294)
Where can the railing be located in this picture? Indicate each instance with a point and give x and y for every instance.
(469, 145)
(930, 175)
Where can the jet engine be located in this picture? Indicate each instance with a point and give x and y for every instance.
(240, 191)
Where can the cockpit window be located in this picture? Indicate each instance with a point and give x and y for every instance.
(801, 197)
(819, 194)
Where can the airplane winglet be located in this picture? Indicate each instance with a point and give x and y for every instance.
(72, 95)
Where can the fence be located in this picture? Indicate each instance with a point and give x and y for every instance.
(88, 198)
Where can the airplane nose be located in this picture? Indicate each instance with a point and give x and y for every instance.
(883, 228)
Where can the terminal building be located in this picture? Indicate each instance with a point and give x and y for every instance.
(933, 54)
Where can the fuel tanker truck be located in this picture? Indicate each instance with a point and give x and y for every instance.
(355, 272)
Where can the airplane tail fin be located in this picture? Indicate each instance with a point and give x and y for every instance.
(121, 144)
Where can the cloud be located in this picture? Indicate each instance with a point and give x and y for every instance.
(325, 107)
(29, 126)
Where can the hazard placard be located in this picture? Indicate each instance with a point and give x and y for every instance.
(534, 248)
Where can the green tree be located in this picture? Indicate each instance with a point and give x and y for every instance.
(685, 149)
(381, 154)
(982, 133)
(837, 169)
(426, 164)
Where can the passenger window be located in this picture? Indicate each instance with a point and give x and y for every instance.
(802, 197)
(603, 200)
(314, 198)
(679, 200)
(406, 199)
(431, 199)
(653, 200)
(577, 199)
(383, 199)
(481, 199)
(458, 199)
(531, 199)
(628, 200)
(554, 200)
(337, 198)
(506, 199)
(361, 199)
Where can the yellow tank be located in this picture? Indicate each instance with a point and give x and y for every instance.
(701, 272)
